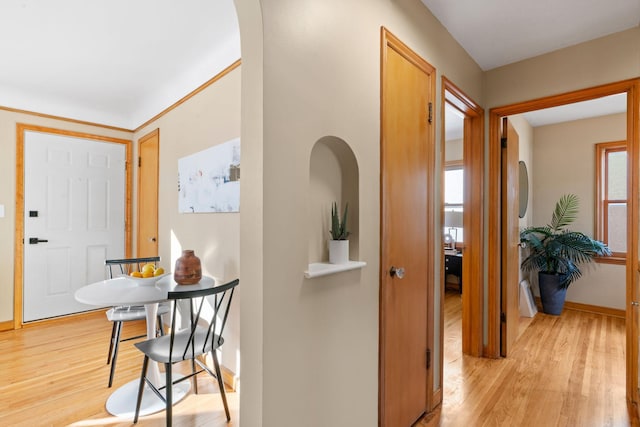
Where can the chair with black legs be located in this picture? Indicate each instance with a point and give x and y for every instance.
(121, 314)
(202, 336)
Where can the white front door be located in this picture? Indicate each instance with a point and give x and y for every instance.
(74, 218)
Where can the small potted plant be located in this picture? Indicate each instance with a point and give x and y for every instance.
(338, 244)
(556, 253)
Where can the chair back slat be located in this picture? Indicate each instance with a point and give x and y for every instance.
(200, 340)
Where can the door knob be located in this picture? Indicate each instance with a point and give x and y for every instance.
(35, 240)
(396, 272)
(152, 239)
(635, 303)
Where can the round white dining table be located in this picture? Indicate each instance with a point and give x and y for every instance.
(125, 291)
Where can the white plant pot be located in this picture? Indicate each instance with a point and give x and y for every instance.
(338, 251)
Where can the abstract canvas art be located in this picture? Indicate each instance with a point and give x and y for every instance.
(209, 180)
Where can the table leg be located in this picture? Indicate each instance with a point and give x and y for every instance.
(122, 402)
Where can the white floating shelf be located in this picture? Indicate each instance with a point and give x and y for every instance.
(318, 269)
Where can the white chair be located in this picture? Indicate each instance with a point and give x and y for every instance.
(128, 313)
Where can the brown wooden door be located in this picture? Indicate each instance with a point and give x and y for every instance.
(148, 194)
(407, 174)
(510, 238)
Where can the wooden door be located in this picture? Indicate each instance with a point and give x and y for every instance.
(74, 218)
(148, 167)
(510, 236)
(406, 264)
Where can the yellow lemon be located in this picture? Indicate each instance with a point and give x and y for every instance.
(147, 273)
(159, 271)
(135, 274)
(148, 267)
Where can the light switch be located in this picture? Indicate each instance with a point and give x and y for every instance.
(1, 211)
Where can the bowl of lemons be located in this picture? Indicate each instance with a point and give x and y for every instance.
(149, 274)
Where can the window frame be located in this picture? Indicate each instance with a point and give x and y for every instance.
(603, 149)
(449, 166)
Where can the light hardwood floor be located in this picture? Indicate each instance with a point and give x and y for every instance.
(56, 375)
(566, 370)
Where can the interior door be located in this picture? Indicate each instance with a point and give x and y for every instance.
(510, 235)
(147, 241)
(406, 261)
(74, 218)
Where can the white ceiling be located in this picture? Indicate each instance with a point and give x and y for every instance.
(499, 32)
(115, 62)
(121, 62)
(581, 110)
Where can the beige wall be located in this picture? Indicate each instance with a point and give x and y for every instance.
(604, 60)
(318, 362)
(609, 59)
(564, 162)
(209, 118)
(8, 121)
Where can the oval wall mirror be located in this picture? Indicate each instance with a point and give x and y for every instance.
(524, 188)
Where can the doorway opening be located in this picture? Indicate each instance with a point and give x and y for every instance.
(461, 284)
(540, 202)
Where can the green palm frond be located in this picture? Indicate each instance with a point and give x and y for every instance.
(566, 211)
(553, 249)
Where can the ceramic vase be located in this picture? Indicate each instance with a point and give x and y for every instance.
(188, 270)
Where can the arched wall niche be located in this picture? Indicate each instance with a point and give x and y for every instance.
(333, 177)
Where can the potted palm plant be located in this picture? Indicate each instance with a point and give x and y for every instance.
(556, 253)
(338, 245)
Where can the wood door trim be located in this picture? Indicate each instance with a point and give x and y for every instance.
(632, 88)
(633, 229)
(18, 250)
(473, 259)
(390, 41)
(191, 94)
(153, 134)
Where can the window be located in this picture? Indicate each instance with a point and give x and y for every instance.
(611, 193)
(453, 201)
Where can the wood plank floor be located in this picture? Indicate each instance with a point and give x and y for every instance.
(56, 375)
(565, 370)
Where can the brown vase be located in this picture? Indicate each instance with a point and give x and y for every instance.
(188, 270)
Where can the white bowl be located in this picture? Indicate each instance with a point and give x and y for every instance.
(147, 281)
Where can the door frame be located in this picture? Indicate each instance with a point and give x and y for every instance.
(473, 253)
(18, 258)
(390, 41)
(632, 88)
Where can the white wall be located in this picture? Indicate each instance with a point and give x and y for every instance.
(564, 162)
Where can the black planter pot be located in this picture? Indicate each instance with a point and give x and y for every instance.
(551, 294)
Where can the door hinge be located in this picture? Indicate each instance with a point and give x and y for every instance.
(503, 141)
(430, 112)
(139, 161)
(503, 318)
(428, 358)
